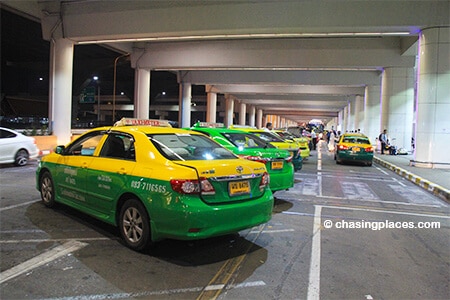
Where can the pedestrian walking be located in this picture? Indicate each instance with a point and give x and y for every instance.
(383, 140)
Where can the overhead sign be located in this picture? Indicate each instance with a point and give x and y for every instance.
(88, 95)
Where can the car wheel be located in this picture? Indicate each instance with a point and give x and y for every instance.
(21, 158)
(369, 164)
(47, 190)
(134, 225)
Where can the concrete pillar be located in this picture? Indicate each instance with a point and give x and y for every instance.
(340, 121)
(345, 120)
(242, 113)
(359, 112)
(60, 108)
(372, 114)
(251, 116)
(184, 117)
(229, 110)
(351, 115)
(142, 93)
(211, 107)
(259, 118)
(397, 105)
(433, 99)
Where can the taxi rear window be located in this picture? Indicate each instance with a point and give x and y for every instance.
(356, 140)
(189, 147)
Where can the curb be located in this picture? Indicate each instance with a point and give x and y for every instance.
(435, 189)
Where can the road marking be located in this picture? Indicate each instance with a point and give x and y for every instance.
(398, 181)
(40, 260)
(52, 240)
(226, 273)
(272, 231)
(18, 205)
(314, 267)
(382, 171)
(379, 201)
(388, 212)
(357, 190)
(158, 293)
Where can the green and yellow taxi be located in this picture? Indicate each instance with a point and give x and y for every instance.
(272, 138)
(354, 147)
(302, 142)
(278, 162)
(153, 182)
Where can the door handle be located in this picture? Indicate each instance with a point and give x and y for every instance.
(122, 171)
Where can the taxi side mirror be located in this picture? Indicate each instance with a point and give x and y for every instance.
(59, 149)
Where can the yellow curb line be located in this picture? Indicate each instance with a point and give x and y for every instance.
(435, 189)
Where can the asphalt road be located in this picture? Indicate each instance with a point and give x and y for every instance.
(343, 232)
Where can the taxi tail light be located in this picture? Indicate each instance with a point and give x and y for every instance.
(254, 158)
(368, 149)
(289, 159)
(342, 147)
(265, 180)
(189, 186)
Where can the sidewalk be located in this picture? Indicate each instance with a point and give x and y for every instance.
(436, 181)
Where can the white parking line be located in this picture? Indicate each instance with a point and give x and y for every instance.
(18, 205)
(160, 292)
(40, 260)
(314, 267)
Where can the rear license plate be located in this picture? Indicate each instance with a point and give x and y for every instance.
(239, 187)
(276, 165)
(356, 149)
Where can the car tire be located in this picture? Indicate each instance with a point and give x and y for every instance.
(369, 164)
(46, 187)
(21, 158)
(134, 225)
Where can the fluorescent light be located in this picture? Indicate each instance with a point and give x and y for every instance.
(244, 36)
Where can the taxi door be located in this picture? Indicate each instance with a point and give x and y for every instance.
(109, 173)
(72, 168)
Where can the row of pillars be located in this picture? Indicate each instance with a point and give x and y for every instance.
(407, 106)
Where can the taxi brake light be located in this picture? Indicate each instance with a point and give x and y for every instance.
(265, 180)
(254, 158)
(289, 159)
(342, 147)
(368, 149)
(189, 186)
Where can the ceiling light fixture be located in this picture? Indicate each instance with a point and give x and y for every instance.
(246, 36)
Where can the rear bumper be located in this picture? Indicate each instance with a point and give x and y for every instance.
(192, 219)
(349, 156)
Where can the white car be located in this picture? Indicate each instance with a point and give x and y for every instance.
(16, 148)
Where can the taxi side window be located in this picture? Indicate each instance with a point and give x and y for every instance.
(85, 146)
(118, 146)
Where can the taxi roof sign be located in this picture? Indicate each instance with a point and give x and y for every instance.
(209, 125)
(145, 122)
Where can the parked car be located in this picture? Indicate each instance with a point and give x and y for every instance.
(154, 182)
(354, 147)
(16, 148)
(278, 162)
(272, 138)
(302, 142)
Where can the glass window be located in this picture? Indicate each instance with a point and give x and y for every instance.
(86, 145)
(118, 145)
(245, 140)
(189, 147)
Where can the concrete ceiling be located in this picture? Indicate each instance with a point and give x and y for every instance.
(298, 59)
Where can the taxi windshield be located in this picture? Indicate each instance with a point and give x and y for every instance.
(246, 140)
(189, 147)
